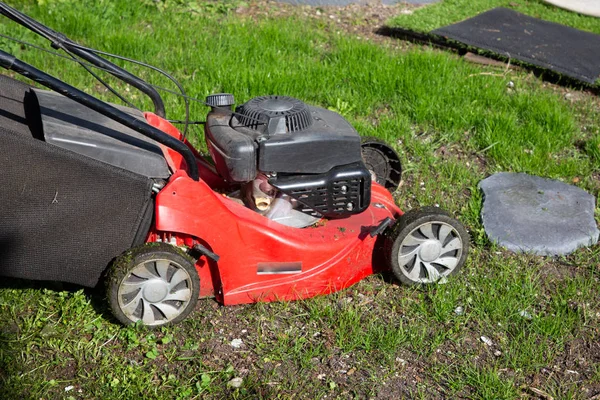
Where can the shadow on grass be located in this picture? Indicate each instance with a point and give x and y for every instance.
(12, 342)
(8, 334)
(10, 329)
(24, 321)
(96, 295)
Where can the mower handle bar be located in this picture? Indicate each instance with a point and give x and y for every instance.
(61, 41)
(12, 63)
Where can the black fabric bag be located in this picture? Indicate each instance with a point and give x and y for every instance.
(63, 216)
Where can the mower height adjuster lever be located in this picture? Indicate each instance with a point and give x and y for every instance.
(203, 251)
(381, 227)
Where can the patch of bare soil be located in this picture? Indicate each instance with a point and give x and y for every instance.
(358, 20)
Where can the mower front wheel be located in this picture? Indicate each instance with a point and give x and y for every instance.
(155, 283)
(426, 246)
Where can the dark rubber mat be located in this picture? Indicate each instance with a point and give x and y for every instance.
(552, 46)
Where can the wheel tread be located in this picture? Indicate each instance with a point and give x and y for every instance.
(406, 224)
(121, 266)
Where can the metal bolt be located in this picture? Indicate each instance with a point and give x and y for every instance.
(344, 189)
(349, 206)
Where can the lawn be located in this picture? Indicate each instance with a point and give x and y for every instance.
(453, 123)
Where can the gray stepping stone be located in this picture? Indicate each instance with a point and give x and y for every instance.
(526, 213)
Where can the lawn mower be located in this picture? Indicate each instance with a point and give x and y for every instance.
(291, 203)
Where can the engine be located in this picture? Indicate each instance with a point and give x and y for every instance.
(295, 163)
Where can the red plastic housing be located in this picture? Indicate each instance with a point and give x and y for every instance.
(262, 260)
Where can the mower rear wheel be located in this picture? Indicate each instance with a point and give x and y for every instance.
(156, 284)
(383, 162)
(426, 246)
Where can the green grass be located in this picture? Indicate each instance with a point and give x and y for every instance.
(453, 124)
(448, 12)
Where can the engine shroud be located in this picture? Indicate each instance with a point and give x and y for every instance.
(342, 191)
(300, 146)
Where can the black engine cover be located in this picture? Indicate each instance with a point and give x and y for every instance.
(328, 142)
(282, 135)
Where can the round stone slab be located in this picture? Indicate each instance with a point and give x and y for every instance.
(526, 213)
